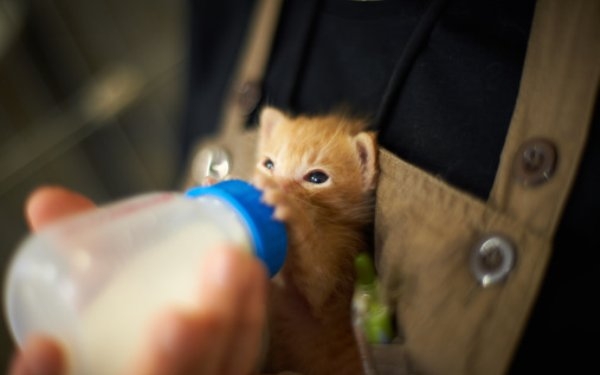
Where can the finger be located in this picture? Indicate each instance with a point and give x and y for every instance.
(175, 346)
(247, 345)
(196, 341)
(39, 356)
(220, 306)
(49, 203)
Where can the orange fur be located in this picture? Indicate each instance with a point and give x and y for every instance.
(310, 323)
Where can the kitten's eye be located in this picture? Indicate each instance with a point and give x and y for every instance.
(316, 177)
(269, 164)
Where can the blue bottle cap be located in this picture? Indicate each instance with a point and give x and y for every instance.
(268, 235)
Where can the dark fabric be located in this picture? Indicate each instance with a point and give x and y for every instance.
(214, 31)
(450, 118)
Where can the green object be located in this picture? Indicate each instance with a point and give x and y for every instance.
(365, 271)
(371, 316)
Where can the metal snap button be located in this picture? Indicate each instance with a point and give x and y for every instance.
(211, 162)
(535, 162)
(249, 95)
(492, 259)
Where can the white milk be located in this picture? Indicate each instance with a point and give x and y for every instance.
(116, 322)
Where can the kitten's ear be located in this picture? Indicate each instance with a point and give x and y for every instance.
(270, 117)
(366, 148)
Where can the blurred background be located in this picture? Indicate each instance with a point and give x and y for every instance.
(91, 99)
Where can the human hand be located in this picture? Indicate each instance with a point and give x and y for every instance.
(221, 336)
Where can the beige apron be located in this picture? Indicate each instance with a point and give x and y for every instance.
(461, 273)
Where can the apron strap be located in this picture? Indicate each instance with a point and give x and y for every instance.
(252, 64)
(552, 116)
(212, 158)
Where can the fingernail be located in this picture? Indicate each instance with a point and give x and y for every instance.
(222, 267)
(41, 357)
(173, 338)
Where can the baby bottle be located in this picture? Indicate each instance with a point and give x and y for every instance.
(95, 281)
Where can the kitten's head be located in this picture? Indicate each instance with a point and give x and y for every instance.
(328, 158)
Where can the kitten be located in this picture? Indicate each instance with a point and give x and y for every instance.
(320, 174)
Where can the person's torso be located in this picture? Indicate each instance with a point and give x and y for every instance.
(449, 119)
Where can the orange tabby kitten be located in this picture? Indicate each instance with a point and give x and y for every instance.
(320, 174)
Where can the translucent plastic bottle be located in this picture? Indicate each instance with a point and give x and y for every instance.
(96, 280)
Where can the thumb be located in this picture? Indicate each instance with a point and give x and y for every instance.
(50, 203)
(40, 356)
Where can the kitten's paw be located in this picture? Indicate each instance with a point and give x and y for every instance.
(274, 196)
(208, 181)
(262, 181)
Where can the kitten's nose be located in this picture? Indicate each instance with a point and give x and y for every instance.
(286, 184)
